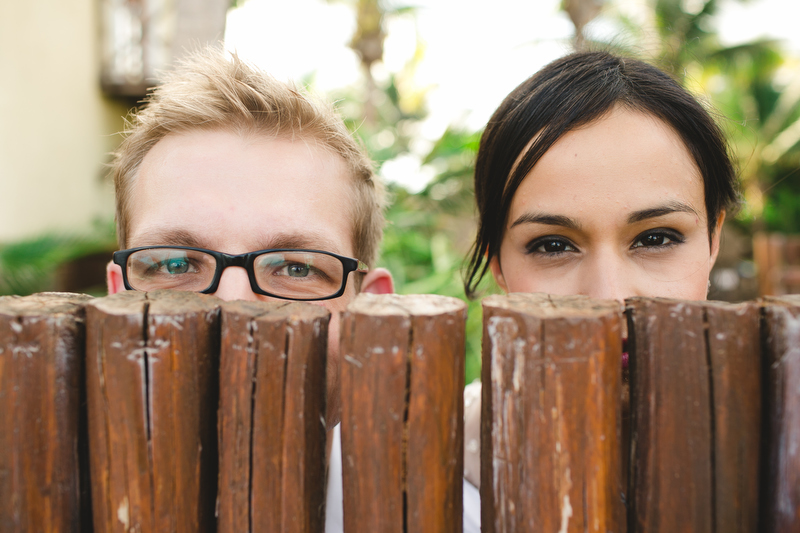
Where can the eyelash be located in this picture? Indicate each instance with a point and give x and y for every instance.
(673, 236)
(550, 239)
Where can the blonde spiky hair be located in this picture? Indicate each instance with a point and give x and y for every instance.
(212, 90)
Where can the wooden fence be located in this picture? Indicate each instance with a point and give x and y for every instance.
(178, 412)
(777, 259)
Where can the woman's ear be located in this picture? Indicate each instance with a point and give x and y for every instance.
(114, 278)
(378, 281)
(497, 272)
(715, 238)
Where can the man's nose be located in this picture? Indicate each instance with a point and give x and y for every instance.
(235, 285)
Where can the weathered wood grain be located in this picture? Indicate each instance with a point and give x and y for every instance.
(402, 413)
(735, 365)
(272, 403)
(41, 430)
(551, 415)
(152, 383)
(781, 480)
(696, 415)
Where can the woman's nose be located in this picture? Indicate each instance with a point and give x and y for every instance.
(608, 277)
(235, 285)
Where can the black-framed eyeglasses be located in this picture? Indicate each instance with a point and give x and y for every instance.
(302, 275)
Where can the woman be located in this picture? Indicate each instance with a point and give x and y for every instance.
(601, 176)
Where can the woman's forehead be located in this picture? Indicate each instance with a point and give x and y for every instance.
(622, 162)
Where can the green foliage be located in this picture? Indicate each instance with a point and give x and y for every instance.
(782, 212)
(755, 84)
(744, 82)
(429, 233)
(393, 127)
(30, 265)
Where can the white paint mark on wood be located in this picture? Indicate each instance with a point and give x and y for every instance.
(27, 350)
(566, 514)
(176, 321)
(160, 343)
(353, 361)
(123, 514)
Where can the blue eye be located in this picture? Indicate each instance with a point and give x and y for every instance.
(177, 266)
(298, 270)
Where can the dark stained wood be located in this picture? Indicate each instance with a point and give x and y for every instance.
(781, 480)
(777, 259)
(735, 362)
(41, 365)
(373, 395)
(671, 418)
(435, 434)
(696, 415)
(272, 430)
(402, 413)
(152, 383)
(551, 454)
(237, 379)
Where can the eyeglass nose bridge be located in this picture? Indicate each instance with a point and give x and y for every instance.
(227, 260)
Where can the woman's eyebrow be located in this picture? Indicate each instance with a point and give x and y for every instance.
(547, 220)
(660, 211)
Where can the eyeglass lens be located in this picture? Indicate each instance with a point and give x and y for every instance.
(293, 274)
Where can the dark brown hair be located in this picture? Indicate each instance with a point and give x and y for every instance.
(566, 94)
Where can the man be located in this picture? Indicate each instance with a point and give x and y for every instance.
(226, 159)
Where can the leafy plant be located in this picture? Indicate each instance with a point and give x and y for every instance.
(30, 265)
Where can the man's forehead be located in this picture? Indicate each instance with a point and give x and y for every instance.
(232, 193)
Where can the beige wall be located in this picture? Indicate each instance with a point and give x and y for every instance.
(56, 128)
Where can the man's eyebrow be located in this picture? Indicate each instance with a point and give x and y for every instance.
(309, 241)
(547, 220)
(181, 237)
(660, 211)
(167, 237)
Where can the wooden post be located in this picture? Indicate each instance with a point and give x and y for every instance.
(764, 258)
(551, 414)
(271, 419)
(402, 373)
(696, 416)
(152, 385)
(41, 430)
(781, 480)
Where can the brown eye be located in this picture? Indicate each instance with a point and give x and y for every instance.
(656, 239)
(550, 245)
(553, 246)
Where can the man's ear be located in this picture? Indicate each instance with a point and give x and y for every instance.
(114, 278)
(715, 238)
(378, 281)
(497, 272)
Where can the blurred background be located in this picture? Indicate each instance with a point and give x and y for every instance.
(416, 80)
